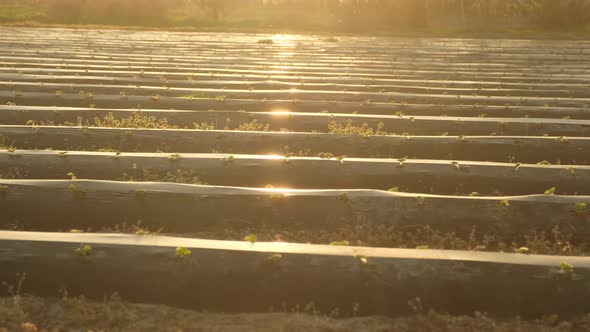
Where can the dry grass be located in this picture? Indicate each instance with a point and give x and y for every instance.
(25, 313)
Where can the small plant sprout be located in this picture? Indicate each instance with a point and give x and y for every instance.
(523, 250)
(250, 238)
(581, 208)
(400, 162)
(58, 93)
(516, 167)
(571, 170)
(566, 267)
(362, 259)
(77, 192)
(140, 194)
(340, 243)
(459, 167)
(422, 247)
(273, 259)
(504, 203)
(182, 252)
(550, 191)
(84, 251)
(345, 198)
(174, 157)
(394, 189)
(72, 176)
(473, 194)
(63, 154)
(420, 200)
(544, 162)
(228, 159)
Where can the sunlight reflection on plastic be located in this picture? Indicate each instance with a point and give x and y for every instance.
(280, 112)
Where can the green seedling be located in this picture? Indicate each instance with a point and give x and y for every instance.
(77, 192)
(58, 93)
(566, 267)
(140, 194)
(422, 247)
(420, 200)
(182, 252)
(231, 158)
(345, 198)
(516, 167)
(174, 157)
(504, 203)
(362, 259)
(544, 162)
(72, 176)
(250, 238)
(550, 191)
(325, 155)
(274, 259)
(340, 243)
(400, 162)
(394, 189)
(473, 194)
(523, 250)
(581, 208)
(84, 250)
(11, 149)
(459, 167)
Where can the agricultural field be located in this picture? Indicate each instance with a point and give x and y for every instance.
(360, 182)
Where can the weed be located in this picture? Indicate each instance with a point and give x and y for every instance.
(63, 154)
(544, 162)
(550, 191)
(422, 247)
(72, 176)
(504, 203)
(394, 189)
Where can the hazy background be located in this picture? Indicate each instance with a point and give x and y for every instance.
(360, 16)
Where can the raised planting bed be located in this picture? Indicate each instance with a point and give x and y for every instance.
(418, 176)
(242, 276)
(74, 99)
(307, 122)
(524, 149)
(177, 208)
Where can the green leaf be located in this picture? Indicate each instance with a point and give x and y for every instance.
(250, 238)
